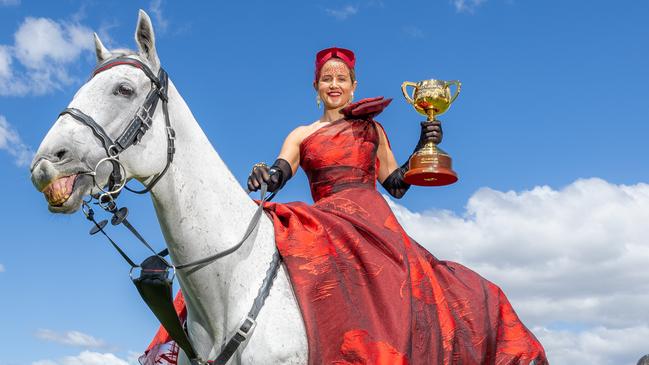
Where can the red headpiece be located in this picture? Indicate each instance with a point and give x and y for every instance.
(325, 55)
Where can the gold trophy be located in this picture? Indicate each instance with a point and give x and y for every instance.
(430, 165)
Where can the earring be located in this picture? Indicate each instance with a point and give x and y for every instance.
(352, 97)
(318, 101)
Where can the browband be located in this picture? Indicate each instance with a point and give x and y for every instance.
(126, 61)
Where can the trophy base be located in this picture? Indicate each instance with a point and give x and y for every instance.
(430, 167)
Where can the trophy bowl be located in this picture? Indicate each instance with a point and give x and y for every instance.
(430, 165)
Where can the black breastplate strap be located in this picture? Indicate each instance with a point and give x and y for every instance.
(155, 287)
(248, 324)
(154, 282)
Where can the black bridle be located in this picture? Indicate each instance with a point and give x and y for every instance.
(154, 282)
(134, 131)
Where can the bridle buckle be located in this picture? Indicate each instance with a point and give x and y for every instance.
(144, 114)
(246, 327)
(171, 133)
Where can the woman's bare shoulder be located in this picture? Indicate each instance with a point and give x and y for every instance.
(302, 131)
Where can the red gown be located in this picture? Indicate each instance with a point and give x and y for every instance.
(371, 295)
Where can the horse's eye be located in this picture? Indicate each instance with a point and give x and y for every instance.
(124, 90)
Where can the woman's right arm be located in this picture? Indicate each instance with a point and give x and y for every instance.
(284, 167)
(291, 148)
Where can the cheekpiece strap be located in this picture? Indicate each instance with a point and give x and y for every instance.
(140, 123)
(143, 118)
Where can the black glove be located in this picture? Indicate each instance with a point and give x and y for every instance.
(430, 131)
(394, 183)
(275, 177)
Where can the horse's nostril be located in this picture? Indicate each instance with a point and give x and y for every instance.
(61, 154)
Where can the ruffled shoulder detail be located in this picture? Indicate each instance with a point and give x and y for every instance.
(365, 109)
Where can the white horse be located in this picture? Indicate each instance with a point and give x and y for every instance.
(200, 206)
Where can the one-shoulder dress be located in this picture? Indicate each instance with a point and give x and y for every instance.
(369, 294)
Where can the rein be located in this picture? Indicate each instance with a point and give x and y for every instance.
(156, 274)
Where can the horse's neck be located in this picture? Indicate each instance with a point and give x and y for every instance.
(198, 187)
(202, 209)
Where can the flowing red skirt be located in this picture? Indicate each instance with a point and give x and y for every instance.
(371, 295)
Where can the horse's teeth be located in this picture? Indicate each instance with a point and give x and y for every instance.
(59, 191)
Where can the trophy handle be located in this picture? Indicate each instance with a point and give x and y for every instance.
(404, 90)
(458, 87)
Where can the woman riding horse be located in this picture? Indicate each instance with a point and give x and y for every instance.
(368, 293)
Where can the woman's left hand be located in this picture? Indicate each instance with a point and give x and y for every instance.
(431, 131)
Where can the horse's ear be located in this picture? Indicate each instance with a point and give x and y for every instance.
(145, 39)
(102, 53)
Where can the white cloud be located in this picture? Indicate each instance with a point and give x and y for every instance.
(5, 62)
(600, 345)
(43, 40)
(156, 9)
(9, 2)
(133, 357)
(86, 358)
(466, 6)
(70, 338)
(573, 261)
(2, 268)
(342, 13)
(11, 142)
(44, 49)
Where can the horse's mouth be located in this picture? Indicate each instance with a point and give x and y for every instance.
(64, 194)
(59, 190)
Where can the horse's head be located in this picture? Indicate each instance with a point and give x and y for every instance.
(71, 161)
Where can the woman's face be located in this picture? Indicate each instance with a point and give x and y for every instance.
(335, 85)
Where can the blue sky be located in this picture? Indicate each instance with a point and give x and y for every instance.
(553, 114)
